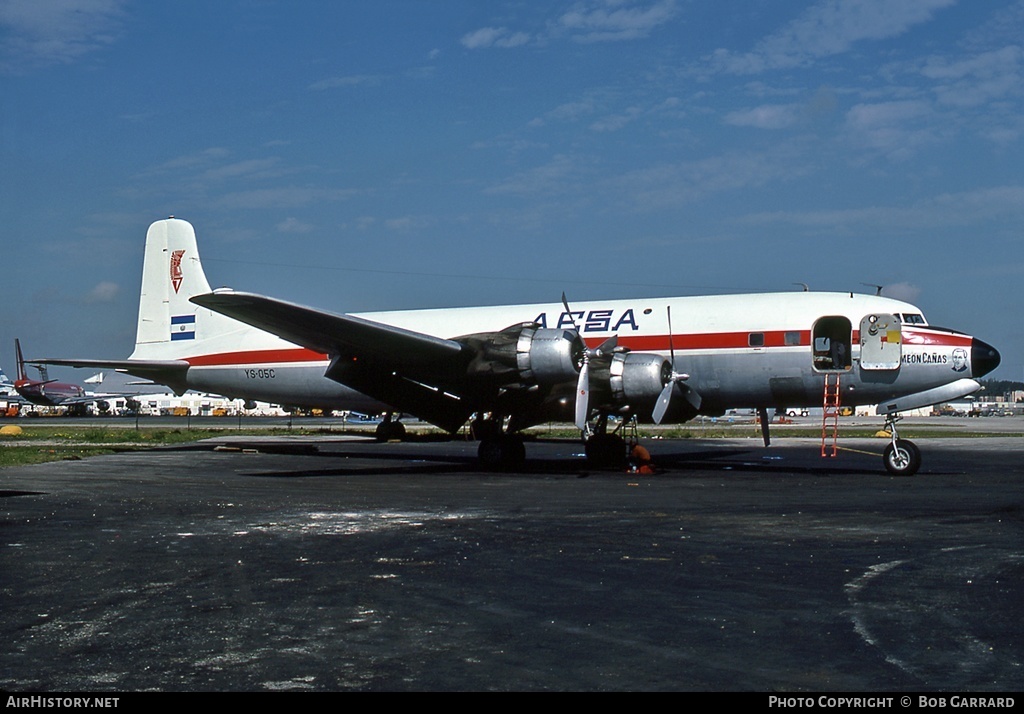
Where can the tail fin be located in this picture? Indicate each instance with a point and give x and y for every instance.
(20, 360)
(171, 327)
(44, 375)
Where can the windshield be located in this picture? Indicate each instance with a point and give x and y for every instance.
(910, 318)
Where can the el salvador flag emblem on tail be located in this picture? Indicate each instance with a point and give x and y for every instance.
(183, 327)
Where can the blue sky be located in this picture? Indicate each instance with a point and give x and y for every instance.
(384, 155)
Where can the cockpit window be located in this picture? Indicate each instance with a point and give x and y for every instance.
(910, 318)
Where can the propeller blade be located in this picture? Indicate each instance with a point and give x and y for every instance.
(583, 383)
(583, 396)
(691, 396)
(606, 347)
(661, 406)
(665, 398)
(671, 346)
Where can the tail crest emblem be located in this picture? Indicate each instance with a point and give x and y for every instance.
(176, 275)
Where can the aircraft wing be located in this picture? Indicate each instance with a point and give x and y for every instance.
(329, 333)
(411, 371)
(168, 372)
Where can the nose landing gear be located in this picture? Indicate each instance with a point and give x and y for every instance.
(901, 456)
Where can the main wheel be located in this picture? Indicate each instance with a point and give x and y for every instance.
(502, 452)
(390, 431)
(606, 451)
(902, 460)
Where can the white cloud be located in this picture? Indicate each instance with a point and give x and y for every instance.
(614, 20)
(766, 116)
(253, 168)
(617, 121)
(967, 208)
(979, 79)
(550, 178)
(586, 21)
(103, 292)
(35, 34)
(352, 80)
(494, 37)
(895, 129)
(189, 161)
(283, 197)
(685, 182)
(829, 28)
(907, 292)
(293, 225)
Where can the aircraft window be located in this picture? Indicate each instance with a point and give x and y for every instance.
(756, 339)
(913, 319)
(792, 338)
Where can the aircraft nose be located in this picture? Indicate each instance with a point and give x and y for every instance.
(984, 358)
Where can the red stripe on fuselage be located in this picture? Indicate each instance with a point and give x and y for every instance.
(940, 339)
(226, 359)
(645, 343)
(710, 341)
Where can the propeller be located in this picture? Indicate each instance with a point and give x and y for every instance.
(665, 398)
(583, 381)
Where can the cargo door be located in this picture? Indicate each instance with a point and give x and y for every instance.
(881, 342)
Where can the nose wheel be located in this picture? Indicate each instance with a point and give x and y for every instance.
(901, 456)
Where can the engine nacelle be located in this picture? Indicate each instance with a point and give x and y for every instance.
(526, 355)
(637, 378)
(548, 356)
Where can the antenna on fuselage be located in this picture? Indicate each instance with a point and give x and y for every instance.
(805, 286)
(878, 288)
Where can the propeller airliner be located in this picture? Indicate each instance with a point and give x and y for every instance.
(652, 359)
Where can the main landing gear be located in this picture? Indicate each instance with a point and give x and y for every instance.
(901, 456)
(499, 449)
(390, 429)
(606, 450)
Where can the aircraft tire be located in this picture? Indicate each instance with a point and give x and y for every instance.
(501, 453)
(390, 431)
(606, 451)
(903, 460)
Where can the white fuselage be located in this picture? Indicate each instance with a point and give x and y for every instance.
(739, 350)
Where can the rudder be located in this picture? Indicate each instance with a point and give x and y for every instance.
(169, 325)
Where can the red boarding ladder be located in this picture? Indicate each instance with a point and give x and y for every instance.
(830, 414)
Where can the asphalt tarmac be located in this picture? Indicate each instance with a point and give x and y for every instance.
(325, 563)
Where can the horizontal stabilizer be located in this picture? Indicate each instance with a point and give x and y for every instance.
(945, 393)
(170, 372)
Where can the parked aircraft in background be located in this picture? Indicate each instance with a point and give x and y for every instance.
(655, 359)
(6, 385)
(49, 392)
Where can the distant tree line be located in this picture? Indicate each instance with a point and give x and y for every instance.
(995, 387)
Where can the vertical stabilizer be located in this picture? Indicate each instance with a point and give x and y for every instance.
(20, 360)
(171, 274)
(171, 327)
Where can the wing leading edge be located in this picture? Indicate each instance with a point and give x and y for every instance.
(411, 371)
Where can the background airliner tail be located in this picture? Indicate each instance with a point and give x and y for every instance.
(19, 361)
(171, 327)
